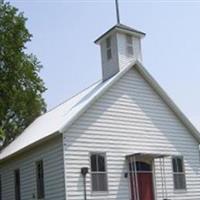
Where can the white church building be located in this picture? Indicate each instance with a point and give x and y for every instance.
(122, 138)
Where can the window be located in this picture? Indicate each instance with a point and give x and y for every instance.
(40, 179)
(108, 48)
(0, 188)
(98, 172)
(178, 173)
(17, 184)
(129, 45)
(140, 166)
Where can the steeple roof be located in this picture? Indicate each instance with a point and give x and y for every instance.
(121, 27)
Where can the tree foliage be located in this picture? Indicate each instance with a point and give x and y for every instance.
(21, 87)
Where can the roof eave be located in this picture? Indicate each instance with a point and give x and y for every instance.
(30, 146)
(119, 29)
(165, 97)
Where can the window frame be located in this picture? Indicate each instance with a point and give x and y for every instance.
(17, 184)
(179, 173)
(95, 172)
(109, 48)
(129, 45)
(40, 191)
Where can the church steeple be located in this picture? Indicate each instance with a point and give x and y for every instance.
(120, 45)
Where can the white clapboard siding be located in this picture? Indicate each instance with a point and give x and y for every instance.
(123, 59)
(51, 152)
(129, 118)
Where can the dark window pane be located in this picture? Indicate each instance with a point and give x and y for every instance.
(180, 165)
(108, 42)
(101, 163)
(99, 182)
(102, 182)
(108, 47)
(177, 164)
(130, 167)
(179, 181)
(129, 39)
(174, 165)
(40, 179)
(17, 184)
(94, 182)
(93, 163)
(109, 54)
(141, 166)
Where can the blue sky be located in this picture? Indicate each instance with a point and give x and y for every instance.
(64, 31)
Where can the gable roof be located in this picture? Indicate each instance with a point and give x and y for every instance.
(59, 119)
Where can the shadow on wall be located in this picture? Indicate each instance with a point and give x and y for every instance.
(130, 117)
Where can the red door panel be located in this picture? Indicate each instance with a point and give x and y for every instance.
(145, 186)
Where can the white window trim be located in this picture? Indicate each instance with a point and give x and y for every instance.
(182, 173)
(106, 172)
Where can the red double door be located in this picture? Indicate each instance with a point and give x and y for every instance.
(142, 188)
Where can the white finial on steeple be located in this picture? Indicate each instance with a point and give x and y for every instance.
(117, 11)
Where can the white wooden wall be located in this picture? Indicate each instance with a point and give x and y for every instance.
(119, 59)
(129, 118)
(109, 67)
(52, 155)
(123, 59)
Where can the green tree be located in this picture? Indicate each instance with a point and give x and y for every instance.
(21, 87)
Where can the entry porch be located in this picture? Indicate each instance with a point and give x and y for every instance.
(142, 176)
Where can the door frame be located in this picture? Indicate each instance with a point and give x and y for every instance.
(152, 171)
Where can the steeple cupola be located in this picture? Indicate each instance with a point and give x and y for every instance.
(120, 46)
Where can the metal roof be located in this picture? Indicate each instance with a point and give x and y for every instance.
(123, 28)
(47, 124)
(59, 119)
